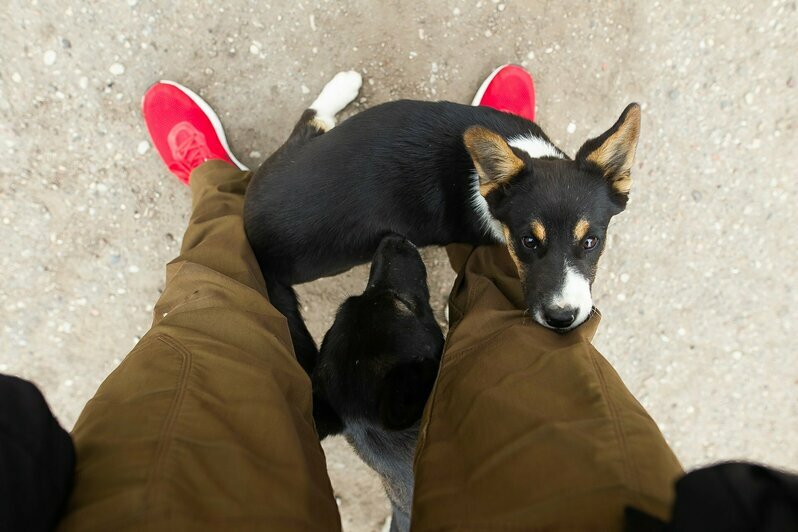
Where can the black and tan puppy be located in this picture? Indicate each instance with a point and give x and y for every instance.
(376, 368)
(437, 173)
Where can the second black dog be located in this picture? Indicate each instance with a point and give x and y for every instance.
(376, 368)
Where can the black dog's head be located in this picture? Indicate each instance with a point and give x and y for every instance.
(379, 360)
(554, 211)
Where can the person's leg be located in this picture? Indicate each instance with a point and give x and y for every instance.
(207, 424)
(526, 428)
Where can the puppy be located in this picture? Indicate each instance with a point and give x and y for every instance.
(436, 173)
(376, 369)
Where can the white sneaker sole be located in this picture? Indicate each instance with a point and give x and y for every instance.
(212, 116)
(482, 88)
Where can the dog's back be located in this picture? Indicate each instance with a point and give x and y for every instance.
(400, 166)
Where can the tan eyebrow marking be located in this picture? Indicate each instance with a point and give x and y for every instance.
(581, 229)
(538, 231)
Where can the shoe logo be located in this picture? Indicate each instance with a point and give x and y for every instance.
(188, 145)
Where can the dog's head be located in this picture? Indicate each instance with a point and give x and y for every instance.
(554, 212)
(379, 360)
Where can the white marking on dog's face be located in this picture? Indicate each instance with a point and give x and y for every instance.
(336, 95)
(574, 294)
(536, 147)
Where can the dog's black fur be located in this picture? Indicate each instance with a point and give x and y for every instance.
(325, 200)
(399, 167)
(376, 368)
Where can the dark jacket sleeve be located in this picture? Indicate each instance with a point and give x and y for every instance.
(36, 459)
(734, 497)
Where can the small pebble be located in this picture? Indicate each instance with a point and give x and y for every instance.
(456, 11)
(117, 69)
(624, 277)
(571, 128)
(143, 147)
(16, 78)
(749, 98)
(305, 89)
(49, 58)
(530, 55)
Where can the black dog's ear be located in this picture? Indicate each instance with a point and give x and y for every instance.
(327, 421)
(404, 393)
(493, 158)
(614, 152)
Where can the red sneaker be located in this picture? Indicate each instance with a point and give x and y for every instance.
(184, 129)
(509, 88)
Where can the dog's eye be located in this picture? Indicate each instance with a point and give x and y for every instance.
(530, 242)
(590, 242)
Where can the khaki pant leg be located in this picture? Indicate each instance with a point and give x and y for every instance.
(207, 423)
(528, 429)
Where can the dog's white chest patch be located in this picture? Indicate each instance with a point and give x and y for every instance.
(480, 205)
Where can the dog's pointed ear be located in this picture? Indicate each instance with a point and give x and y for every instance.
(493, 158)
(614, 152)
(326, 419)
(404, 393)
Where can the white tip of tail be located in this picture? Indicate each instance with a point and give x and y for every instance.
(336, 95)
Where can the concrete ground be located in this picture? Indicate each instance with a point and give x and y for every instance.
(697, 287)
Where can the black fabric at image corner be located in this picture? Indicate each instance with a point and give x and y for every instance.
(37, 459)
(733, 497)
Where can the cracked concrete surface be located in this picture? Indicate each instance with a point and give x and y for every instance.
(697, 287)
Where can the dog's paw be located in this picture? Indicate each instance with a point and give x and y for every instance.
(336, 95)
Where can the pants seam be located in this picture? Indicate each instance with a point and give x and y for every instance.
(629, 474)
(168, 429)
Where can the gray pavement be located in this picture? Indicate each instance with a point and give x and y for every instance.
(697, 288)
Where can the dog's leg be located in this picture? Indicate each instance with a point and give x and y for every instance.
(283, 297)
(335, 96)
(320, 116)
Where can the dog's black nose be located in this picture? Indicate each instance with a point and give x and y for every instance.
(560, 318)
